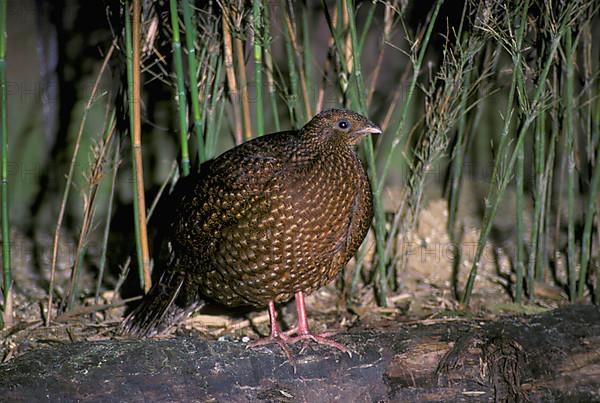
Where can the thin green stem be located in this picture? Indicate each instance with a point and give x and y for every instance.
(292, 98)
(308, 56)
(366, 28)
(131, 101)
(542, 234)
(569, 127)
(458, 157)
(181, 98)
(539, 146)
(258, 65)
(6, 261)
(215, 111)
(270, 73)
(190, 34)
(212, 128)
(520, 252)
(115, 168)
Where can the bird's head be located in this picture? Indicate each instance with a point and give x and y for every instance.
(340, 126)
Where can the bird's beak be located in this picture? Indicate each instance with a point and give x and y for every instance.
(372, 128)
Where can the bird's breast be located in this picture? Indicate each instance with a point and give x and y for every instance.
(296, 237)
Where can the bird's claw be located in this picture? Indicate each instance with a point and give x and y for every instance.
(286, 338)
(281, 339)
(321, 338)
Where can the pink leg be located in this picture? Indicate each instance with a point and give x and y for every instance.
(276, 336)
(302, 318)
(303, 332)
(299, 332)
(275, 329)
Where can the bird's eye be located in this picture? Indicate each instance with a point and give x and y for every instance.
(343, 124)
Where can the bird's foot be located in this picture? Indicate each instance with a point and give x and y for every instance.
(302, 330)
(292, 336)
(276, 336)
(321, 338)
(297, 333)
(289, 337)
(282, 339)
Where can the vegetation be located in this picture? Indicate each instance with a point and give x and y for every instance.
(507, 85)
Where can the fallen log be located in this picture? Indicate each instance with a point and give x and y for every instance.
(546, 357)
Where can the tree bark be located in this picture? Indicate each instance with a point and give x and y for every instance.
(554, 356)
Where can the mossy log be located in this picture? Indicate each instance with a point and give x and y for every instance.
(554, 356)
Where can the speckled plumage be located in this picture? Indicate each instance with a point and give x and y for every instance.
(276, 215)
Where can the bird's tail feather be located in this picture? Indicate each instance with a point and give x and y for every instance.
(159, 311)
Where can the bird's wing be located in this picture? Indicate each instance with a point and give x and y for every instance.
(228, 191)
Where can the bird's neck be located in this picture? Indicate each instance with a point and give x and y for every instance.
(311, 147)
(322, 155)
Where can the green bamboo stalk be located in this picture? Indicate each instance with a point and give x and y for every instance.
(136, 36)
(541, 258)
(570, 127)
(558, 127)
(359, 101)
(6, 261)
(181, 98)
(539, 146)
(190, 35)
(520, 249)
(550, 203)
(132, 100)
(258, 65)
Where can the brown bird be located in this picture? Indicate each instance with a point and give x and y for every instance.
(273, 218)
